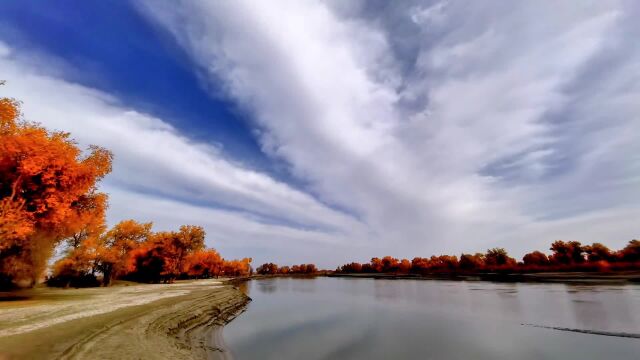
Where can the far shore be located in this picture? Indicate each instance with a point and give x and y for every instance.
(132, 321)
(621, 277)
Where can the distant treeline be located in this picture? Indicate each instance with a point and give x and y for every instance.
(49, 197)
(565, 256)
(273, 269)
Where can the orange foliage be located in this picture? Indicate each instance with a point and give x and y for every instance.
(204, 264)
(272, 269)
(47, 187)
(535, 258)
(567, 256)
(117, 245)
(48, 194)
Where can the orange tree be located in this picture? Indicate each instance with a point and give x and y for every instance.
(47, 187)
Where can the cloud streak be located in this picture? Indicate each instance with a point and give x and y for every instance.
(497, 125)
(415, 127)
(156, 167)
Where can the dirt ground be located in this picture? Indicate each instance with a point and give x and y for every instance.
(130, 321)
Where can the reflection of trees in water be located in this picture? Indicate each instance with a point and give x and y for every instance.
(587, 306)
(244, 287)
(304, 285)
(508, 298)
(266, 286)
(384, 290)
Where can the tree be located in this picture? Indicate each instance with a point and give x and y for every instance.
(188, 239)
(204, 263)
(353, 267)
(631, 252)
(377, 265)
(46, 186)
(115, 251)
(443, 263)
(598, 252)
(471, 262)
(88, 220)
(269, 269)
(498, 257)
(146, 263)
(237, 267)
(419, 265)
(78, 267)
(404, 267)
(389, 264)
(567, 253)
(536, 258)
(310, 269)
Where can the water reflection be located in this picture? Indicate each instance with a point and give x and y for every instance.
(329, 318)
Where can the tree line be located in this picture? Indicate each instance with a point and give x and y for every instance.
(273, 269)
(49, 197)
(565, 256)
(131, 251)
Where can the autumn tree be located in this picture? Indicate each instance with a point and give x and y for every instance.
(498, 257)
(376, 265)
(309, 268)
(535, 258)
(237, 267)
(567, 253)
(47, 187)
(267, 269)
(404, 267)
(79, 265)
(631, 252)
(204, 264)
(389, 264)
(353, 267)
(443, 263)
(188, 239)
(471, 262)
(117, 245)
(419, 265)
(597, 252)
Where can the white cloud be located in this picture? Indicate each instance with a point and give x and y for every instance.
(159, 174)
(499, 126)
(443, 128)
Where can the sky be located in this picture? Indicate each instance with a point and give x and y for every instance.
(333, 131)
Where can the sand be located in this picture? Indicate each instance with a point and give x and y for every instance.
(176, 321)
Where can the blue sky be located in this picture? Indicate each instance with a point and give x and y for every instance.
(328, 130)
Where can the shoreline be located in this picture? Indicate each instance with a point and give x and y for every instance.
(595, 278)
(179, 321)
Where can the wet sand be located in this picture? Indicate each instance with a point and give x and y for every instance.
(177, 321)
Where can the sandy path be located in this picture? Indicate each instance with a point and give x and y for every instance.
(177, 321)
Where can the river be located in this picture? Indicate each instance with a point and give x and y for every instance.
(338, 318)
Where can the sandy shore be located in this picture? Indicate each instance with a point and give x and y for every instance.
(176, 321)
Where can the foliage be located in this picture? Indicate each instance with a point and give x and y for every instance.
(47, 192)
(566, 256)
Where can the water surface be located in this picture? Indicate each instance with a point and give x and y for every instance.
(338, 318)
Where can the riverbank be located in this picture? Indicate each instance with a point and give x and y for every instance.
(622, 277)
(177, 321)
